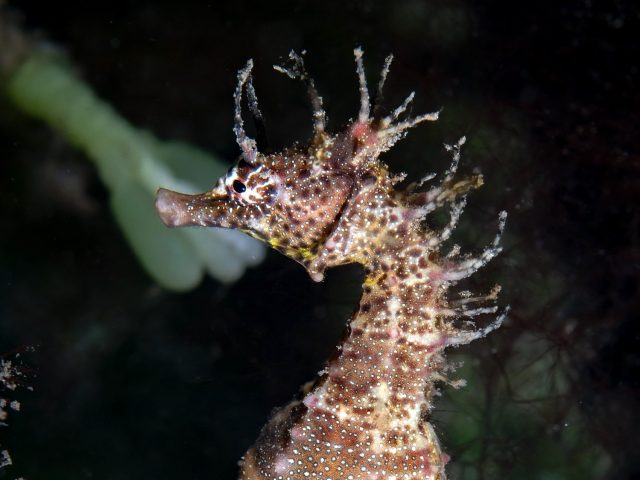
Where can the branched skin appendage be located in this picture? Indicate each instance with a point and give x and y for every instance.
(333, 203)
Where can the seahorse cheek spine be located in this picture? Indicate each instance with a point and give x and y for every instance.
(365, 417)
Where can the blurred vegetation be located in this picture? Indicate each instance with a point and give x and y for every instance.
(133, 164)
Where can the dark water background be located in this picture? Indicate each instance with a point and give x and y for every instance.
(130, 381)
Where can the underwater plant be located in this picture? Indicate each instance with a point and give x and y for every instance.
(334, 202)
(131, 162)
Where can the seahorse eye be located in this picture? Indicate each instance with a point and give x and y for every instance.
(239, 187)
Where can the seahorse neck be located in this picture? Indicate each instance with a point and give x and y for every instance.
(393, 350)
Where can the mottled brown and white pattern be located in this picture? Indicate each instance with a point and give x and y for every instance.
(332, 203)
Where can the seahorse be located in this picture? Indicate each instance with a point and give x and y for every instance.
(334, 202)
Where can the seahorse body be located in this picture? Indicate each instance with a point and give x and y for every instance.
(332, 203)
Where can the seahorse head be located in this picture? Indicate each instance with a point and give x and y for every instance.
(290, 200)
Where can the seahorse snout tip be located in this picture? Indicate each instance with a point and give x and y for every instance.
(172, 207)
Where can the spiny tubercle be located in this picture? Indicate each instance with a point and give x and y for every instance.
(331, 203)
